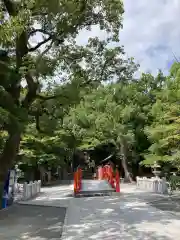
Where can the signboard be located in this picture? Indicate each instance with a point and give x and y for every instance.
(8, 193)
(6, 185)
(12, 178)
(5, 192)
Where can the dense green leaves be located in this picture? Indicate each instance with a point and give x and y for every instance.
(137, 117)
(38, 42)
(141, 118)
(164, 131)
(56, 95)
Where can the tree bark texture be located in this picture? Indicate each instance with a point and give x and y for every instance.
(7, 159)
(123, 152)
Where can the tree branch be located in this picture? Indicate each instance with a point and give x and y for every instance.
(41, 31)
(7, 102)
(45, 98)
(37, 120)
(43, 53)
(39, 44)
(37, 114)
(11, 7)
(52, 36)
(32, 91)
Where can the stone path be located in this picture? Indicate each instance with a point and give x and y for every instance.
(58, 196)
(39, 219)
(31, 222)
(170, 205)
(126, 217)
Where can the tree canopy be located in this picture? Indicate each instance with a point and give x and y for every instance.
(57, 96)
(164, 129)
(38, 47)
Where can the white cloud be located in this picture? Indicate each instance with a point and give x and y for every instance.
(151, 32)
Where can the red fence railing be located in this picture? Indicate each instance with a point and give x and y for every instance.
(112, 177)
(77, 180)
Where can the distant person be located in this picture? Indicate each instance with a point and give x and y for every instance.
(100, 172)
(93, 166)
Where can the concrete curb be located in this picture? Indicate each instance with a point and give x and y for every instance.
(65, 225)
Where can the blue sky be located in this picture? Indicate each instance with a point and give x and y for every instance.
(151, 33)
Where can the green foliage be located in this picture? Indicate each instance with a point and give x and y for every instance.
(174, 183)
(140, 118)
(164, 130)
(38, 42)
(124, 114)
(59, 96)
(109, 114)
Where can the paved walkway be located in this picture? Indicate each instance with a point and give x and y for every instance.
(59, 196)
(39, 219)
(30, 222)
(126, 217)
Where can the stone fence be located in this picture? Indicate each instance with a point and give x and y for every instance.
(31, 190)
(155, 184)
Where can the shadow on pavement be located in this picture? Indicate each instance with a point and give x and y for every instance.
(171, 205)
(124, 217)
(31, 222)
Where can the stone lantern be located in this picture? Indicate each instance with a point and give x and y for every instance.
(156, 169)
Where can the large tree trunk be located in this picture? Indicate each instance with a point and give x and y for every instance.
(123, 152)
(135, 165)
(127, 177)
(7, 159)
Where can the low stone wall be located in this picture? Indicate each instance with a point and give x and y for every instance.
(31, 189)
(155, 184)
